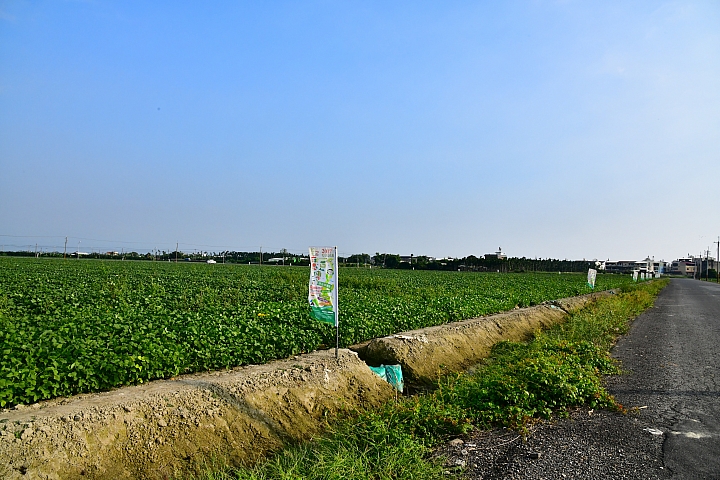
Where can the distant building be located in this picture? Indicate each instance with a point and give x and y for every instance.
(621, 266)
(650, 265)
(683, 266)
(497, 255)
(703, 264)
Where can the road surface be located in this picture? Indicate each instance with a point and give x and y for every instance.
(673, 354)
(672, 361)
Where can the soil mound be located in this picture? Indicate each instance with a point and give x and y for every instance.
(428, 353)
(173, 427)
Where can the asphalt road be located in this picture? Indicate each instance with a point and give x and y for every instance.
(671, 357)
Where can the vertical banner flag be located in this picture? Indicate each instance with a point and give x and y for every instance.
(592, 274)
(635, 275)
(323, 294)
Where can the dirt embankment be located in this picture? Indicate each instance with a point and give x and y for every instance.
(173, 427)
(428, 353)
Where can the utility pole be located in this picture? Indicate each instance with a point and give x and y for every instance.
(717, 270)
(700, 268)
(707, 264)
(260, 254)
(65, 250)
(177, 245)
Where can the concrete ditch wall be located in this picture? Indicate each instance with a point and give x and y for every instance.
(173, 427)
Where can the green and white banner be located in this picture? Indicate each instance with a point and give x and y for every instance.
(323, 292)
(592, 274)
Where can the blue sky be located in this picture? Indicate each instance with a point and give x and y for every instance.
(553, 129)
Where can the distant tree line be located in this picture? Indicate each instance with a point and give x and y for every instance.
(162, 255)
(381, 260)
(471, 263)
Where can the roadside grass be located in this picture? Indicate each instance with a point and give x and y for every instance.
(518, 385)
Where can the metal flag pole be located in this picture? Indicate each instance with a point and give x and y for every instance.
(337, 305)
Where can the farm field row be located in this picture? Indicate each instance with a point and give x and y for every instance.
(77, 326)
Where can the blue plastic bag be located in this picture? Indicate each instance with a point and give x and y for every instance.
(391, 374)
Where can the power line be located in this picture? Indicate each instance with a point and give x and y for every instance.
(149, 245)
(31, 236)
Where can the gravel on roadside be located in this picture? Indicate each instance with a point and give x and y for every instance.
(589, 445)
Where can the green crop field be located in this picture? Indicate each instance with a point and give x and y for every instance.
(72, 326)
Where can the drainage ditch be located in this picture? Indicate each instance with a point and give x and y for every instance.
(174, 427)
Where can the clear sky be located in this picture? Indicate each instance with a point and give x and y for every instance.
(556, 129)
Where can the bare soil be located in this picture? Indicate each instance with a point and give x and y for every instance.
(172, 427)
(428, 353)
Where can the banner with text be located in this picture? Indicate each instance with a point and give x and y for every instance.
(592, 274)
(323, 284)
